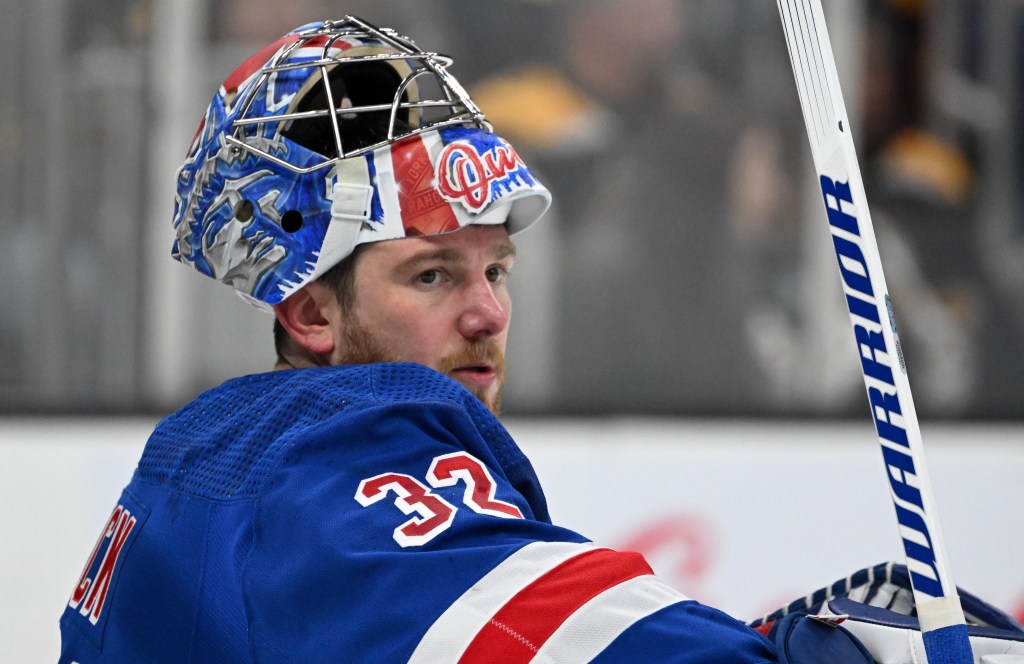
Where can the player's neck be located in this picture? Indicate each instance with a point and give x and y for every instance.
(296, 359)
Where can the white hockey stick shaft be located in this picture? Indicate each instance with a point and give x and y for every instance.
(877, 340)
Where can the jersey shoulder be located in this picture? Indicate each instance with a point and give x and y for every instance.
(225, 443)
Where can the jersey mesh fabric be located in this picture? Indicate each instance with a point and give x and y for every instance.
(394, 384)
(220, 446)
(224, 444)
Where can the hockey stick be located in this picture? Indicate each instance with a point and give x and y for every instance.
(938, 606)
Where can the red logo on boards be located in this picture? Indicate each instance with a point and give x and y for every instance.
(466, 175)
(90, 594)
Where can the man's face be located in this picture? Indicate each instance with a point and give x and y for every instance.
(441, 301)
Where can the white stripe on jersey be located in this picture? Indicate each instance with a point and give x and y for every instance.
(593, 627)
(456, 628)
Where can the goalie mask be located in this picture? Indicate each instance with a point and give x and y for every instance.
(337, 134)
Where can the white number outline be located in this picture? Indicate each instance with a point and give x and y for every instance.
(435, 514)
(412, 497)
(480, 485)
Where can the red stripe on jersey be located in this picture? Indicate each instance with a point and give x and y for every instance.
(424, 212)
(518, 630)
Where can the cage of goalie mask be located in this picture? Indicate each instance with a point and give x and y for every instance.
(337, 134)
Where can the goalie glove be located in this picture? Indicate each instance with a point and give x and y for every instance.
(800, 638)
(876, 606)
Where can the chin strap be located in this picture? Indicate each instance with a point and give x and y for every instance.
(350, 209)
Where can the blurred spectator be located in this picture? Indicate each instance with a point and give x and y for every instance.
(920, 202)
(935, 126)
(635, 147)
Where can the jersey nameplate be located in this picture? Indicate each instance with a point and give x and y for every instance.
(91, 596)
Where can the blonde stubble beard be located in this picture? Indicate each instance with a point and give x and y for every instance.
(358, 346)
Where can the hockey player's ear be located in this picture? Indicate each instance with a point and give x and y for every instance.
(309, 316)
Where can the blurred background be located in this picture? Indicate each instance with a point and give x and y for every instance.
(685, 269)
(680, 335)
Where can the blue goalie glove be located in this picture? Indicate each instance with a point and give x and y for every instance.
(801, 638)
(874, 608)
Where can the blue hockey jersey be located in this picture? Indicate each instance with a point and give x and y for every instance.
(374, 513)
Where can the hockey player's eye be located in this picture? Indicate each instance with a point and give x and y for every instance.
(429, 277)
(496, 274)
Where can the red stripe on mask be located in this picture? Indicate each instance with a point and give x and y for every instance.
(424, 212)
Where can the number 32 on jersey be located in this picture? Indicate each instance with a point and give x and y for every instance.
(433, 513)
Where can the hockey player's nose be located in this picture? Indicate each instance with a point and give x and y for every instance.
(483, 315)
